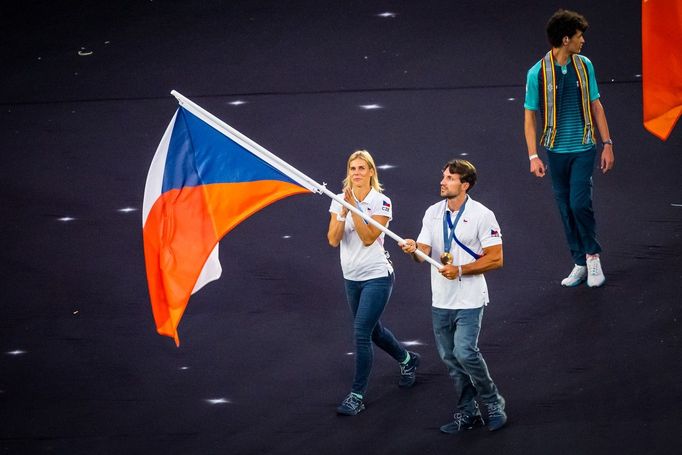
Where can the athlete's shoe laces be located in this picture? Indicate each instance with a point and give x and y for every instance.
(497, 418)
(462, 421)
(595, 275)
(408, 372)
(351, 405)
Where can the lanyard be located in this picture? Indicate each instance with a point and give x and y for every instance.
(359, 207)
(357, 204)
(449, 231)
(379, 239)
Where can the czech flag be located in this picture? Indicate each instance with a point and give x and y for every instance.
(205, 179)
(661, 65)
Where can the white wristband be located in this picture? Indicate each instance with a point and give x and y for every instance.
(533, 156)
(340, 218)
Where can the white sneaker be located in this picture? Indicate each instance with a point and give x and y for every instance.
(595, 275)
(576, 277)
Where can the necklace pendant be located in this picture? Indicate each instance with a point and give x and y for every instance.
(446, 258)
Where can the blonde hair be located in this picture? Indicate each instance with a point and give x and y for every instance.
(367, 158)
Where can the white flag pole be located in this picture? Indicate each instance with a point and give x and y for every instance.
(380, 226)
(286, 168)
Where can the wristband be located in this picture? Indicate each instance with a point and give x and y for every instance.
(459, 267)
(607, 141)
(533, 156)
(340, 218)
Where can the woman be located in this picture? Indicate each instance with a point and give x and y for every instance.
(368, 275)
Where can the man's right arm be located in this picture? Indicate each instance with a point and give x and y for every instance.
(410, 246)
(531, 105)
(537, 167)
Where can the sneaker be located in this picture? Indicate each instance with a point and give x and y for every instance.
(351, 405)
(577, 276)
(463, 421)
(497, 418)
(595, 275)
(408, 372)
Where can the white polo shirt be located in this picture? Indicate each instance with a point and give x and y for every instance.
(477, 229)
(360, 262)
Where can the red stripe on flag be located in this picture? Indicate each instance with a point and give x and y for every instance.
(183, 227)
(661, 65)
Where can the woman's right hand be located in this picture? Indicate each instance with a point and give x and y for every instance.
(349, 198)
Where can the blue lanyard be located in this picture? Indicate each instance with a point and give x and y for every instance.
(357, 204)
(449, 231)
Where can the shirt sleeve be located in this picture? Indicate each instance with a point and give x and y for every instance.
(489, 232)
(532, 102)
(594, 90)
(383, 207)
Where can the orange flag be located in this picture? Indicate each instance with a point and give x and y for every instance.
(661, 65)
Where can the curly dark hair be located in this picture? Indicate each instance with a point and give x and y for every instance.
(564, 23)
(465, 170)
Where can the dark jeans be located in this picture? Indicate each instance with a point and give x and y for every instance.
(572, 182)
(367, 300)
(456, 333)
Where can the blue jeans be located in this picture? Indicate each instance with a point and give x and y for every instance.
(572, 183)
(456, 333)
(367, 300)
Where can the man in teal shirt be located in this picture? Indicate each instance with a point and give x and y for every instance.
(563, 89)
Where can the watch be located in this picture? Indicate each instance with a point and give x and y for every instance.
(607, 141)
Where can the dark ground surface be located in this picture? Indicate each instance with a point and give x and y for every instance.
(82, 370)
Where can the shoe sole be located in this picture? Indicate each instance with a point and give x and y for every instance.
(574, 285)
(349, 414)
(497, 427)
(596, 285)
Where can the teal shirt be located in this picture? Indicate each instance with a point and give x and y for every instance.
(569, 136)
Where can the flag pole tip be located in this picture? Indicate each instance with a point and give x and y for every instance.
(176, 94)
